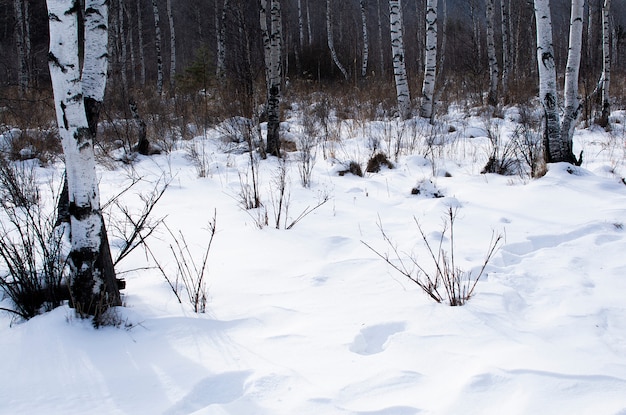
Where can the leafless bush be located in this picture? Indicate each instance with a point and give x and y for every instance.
(190, 274)
(281, 199)
(197, 154)
(132, 229)
(502, 155)
(447, 283)
(307, 149)
(32, 254)
(279, 195)
(527, 144)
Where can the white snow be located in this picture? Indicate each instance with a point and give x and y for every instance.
(309, 321)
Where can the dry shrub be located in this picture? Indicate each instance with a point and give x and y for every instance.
(378, 161)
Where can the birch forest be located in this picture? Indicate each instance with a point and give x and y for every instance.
(402, 54)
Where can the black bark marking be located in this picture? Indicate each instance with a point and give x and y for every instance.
(65, 122)
(83, 137)
(80, 212)
(74, 9)
(53, 17)
(92, 10)
(52, 59)
(546, 57)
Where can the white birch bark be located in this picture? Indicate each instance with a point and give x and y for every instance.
(90, 292)
(272, 43)
(506, 62)
(157, 46)
(331, 41)
(366, 43)
(399, 66)
(170, 18)
(606, 63)
(430, 68)
(96, 42)
(494, 72)
(221, 39)
(555, 149)
(265, 34)
(572, 104)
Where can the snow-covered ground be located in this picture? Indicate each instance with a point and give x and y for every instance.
(310, 321)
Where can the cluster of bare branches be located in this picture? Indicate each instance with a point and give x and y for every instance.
(447, 283)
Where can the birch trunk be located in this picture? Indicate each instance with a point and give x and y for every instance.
(494, 72)
(170, 18)
(157, 46)
(123, 45)
(381, 56)
(331, 42)
(20, 43)
(506, 62)
(300, 26)
(555, 149)
(419, 9)
(142, 55)
(614, 44)
(366, 43)
(221, 39)
(308, 24)
(397, 51)
(606, 63)
(430, 68)
(131, 49)
(476, 30)
(572, 104)
(272, 46)
(92, 278)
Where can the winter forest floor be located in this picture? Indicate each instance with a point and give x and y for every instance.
(311, 321)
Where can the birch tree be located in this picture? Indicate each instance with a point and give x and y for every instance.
(220, 27)
(142, 54)
(557, 148)
(605, 80)
(157, 46)
(272, 51)
(397, 51)
(381, 56)
(77, 103)
(300, 26)
(572, 102)
(170, 18)
(494, 72)
(430, 68)
(331, 40)
(21, 39)
(506, 61)
(366, 43)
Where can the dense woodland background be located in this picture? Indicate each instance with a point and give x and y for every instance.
(307, 65)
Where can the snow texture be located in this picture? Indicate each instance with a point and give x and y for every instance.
(309, 321)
